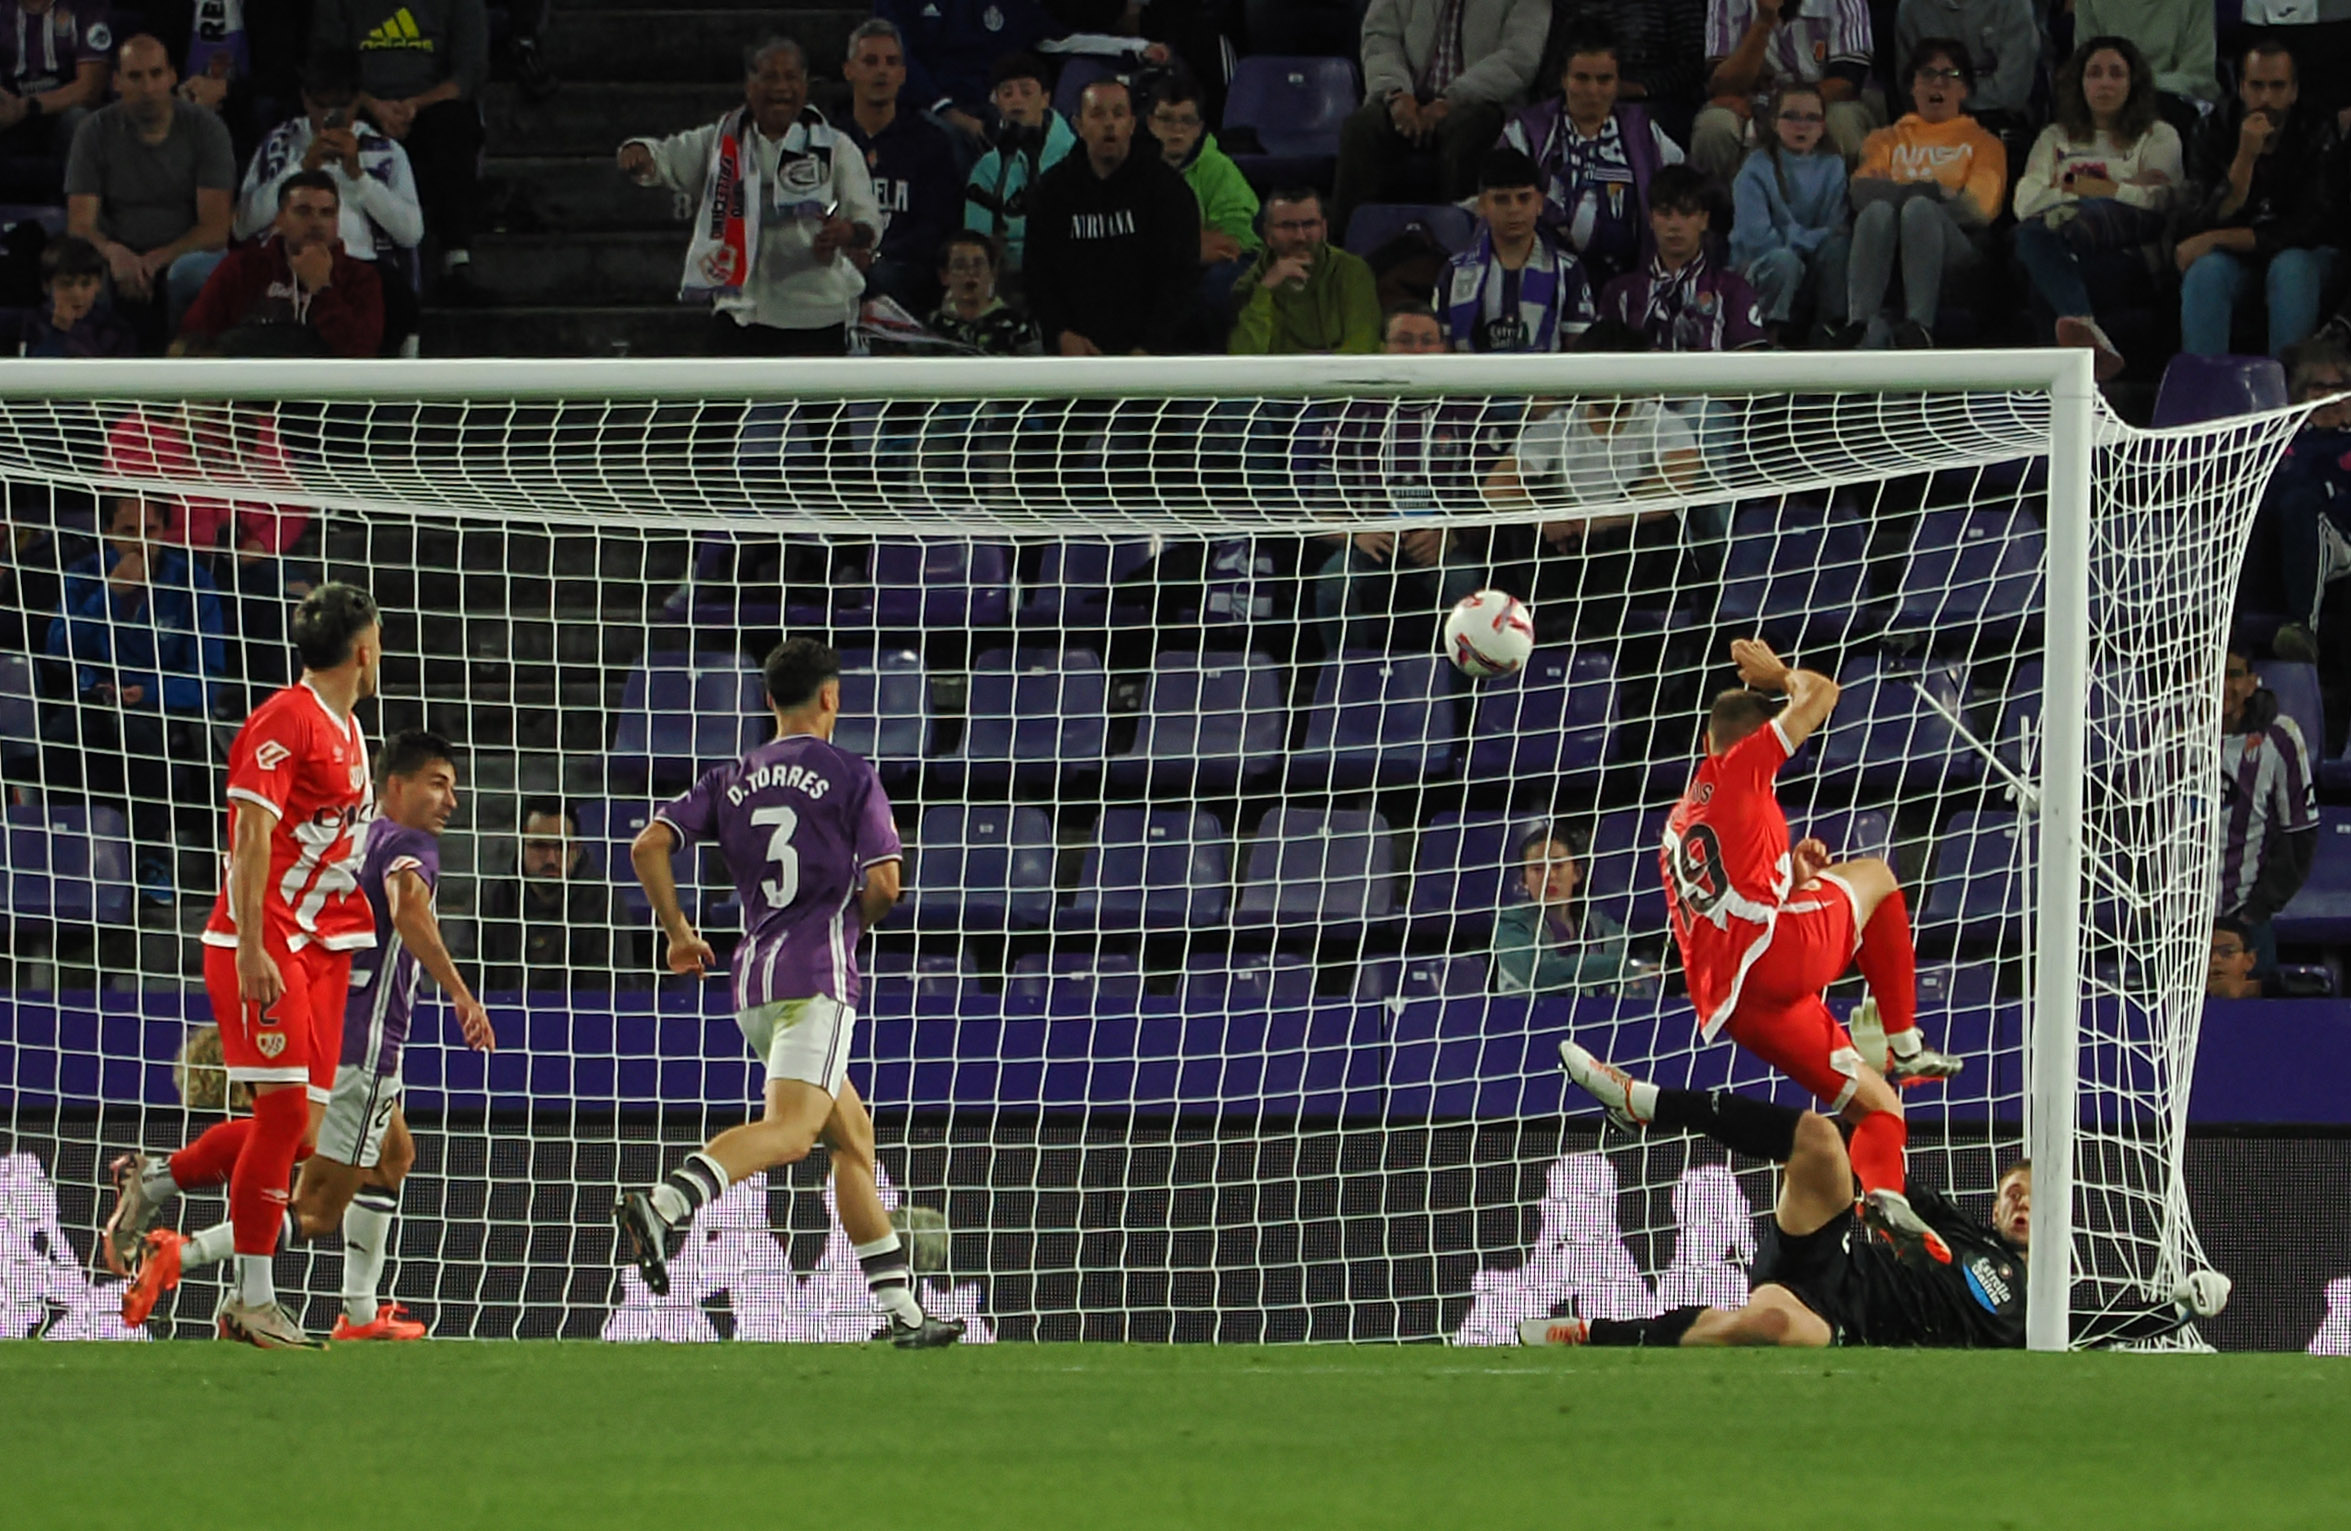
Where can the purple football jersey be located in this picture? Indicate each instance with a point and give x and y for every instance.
(798, 822)
(383, 982)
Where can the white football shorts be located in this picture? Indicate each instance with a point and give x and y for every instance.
(359, 1113)
(804, 1039)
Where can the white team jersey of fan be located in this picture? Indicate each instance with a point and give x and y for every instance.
(309, 767)
(1725, 862)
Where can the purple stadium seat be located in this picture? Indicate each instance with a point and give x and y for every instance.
(885, 710)
(608, 828)
(1295, 106)
(731, 714)
(1033, 716)
(67, 865)
(2296, 688)
(939, 584)
(654, 745)
(1464, 869)
(981, 867)
(1379, 720)
(1850, 835)
(1622, 880)
(1975, 892)
(1374, 982)
(1318, 869)
(2321, 911)
(1209, 721)
(1078, 71)
(1375, 223)
(20, 718)
(1216, 984)
(1556, 717)
(1443, 977)
(1797, 574)
(1077, 586)
(1970, 572)
(2200, 388)
(1957, 985)
(1074, 984)
(1152, 869)
(1885, 736)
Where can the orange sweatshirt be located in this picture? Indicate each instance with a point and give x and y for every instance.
(1959, 154)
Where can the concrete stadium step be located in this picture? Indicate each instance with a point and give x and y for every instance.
(577, 193)
(592, 119)
(649, 329)
(694, 45)
(579, 268)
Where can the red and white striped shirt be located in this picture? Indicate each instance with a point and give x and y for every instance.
(299, 760)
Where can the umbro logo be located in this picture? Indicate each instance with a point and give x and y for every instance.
(399, 30)
(271, 755)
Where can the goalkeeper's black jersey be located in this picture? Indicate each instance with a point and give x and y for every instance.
(1975, 1302)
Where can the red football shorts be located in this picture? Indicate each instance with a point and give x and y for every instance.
(1780, 1017)
(298, 1040)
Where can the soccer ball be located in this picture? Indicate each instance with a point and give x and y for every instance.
(1490, 633)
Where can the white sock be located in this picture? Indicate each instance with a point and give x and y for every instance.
(688, 1188)
(157, 1182)
(256, 1286)
(1643, 1098)
(889, 1279)
(208, 1246)
(1905, 1044)
(367, 1240)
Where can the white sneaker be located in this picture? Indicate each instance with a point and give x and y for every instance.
(1604, 1082)
(1554, 1331)
(267, 1328)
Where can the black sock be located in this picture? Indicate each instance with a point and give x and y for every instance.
(887, 1275)
(688, 1188)
(1753, 1127)
(1663, 1331)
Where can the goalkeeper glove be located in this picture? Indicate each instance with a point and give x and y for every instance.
(2203, 1293)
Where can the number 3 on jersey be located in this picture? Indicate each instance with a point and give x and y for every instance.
(1697, 870)
(784, 886)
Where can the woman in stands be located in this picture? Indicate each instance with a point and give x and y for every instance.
(1925, 194)
(1790, 237)
(1556, 943)
(2095, 193)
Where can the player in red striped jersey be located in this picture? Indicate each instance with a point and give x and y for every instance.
(1764, 927)
(277, 952)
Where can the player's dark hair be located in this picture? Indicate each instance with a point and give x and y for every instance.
(1679, 189)
(328, 622)
(547, 808)
(1507, 170)
(1737, 713)
(411, 750)
(2020, 1167)
(797, 669)
(308, 180)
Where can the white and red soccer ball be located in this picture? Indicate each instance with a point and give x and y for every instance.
(1489, 633)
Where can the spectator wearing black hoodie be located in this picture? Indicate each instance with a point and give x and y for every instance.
(2269, 799)
(1113, 240)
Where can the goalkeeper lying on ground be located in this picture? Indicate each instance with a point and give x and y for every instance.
(1832, 1282)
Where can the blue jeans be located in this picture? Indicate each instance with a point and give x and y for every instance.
(1779, 279)
(185, 278)
(2055, 270)
(2220, 280)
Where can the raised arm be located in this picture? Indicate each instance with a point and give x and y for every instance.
(649, 853)
(420, 931)
(1811, 695)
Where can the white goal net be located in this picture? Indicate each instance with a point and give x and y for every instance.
(1241, 929)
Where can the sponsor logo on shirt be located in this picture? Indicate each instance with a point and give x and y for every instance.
(1988, 1286)
(271, 755)
(398, 31)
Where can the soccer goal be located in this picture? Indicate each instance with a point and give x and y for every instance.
(1241, 927)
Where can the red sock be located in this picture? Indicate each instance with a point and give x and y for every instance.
(1876, 1151)
(1890, 963)
(209, 1159)
(257, 1190)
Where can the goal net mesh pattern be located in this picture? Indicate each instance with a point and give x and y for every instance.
(1240, 929)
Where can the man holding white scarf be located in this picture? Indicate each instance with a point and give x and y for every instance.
(781, 196)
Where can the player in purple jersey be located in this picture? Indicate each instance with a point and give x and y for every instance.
(364, 1151)
(806, 833)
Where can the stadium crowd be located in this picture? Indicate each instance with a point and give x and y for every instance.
(294, 178)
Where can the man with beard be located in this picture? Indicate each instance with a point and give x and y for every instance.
(300, 277)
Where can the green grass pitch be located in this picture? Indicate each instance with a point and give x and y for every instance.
(442, 1436)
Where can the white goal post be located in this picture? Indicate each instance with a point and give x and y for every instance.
(2138, 536)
